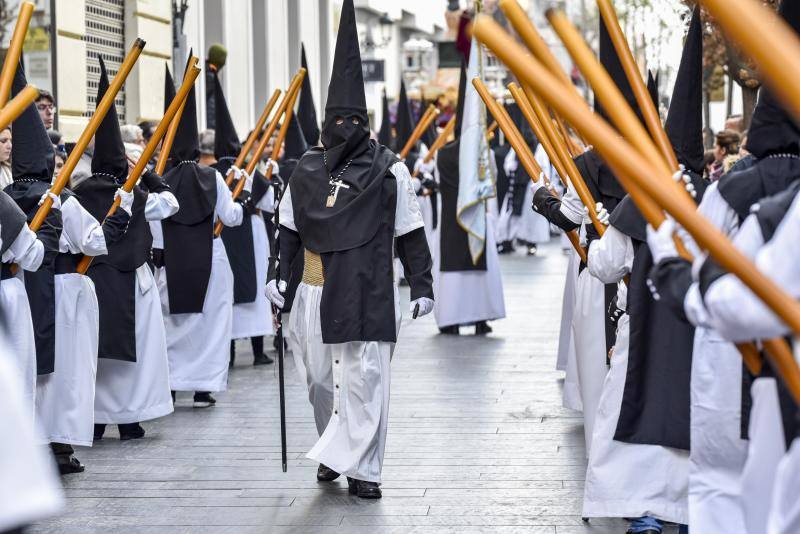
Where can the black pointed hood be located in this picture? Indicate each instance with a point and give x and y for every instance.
(346, 89)
(772, 130)
(186, 146)
(169, 87)
(652, 87)
(684, 124)
(429, 135)
(611, 62)
(32, 154)
(294, 145)
(306, 110)
(226, 141)
(109, 150)
(462, 92)
(385, 133)
(404, 125)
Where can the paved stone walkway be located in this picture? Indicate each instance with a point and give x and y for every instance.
(478, 442)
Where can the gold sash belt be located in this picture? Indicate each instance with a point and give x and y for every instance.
(312, 269)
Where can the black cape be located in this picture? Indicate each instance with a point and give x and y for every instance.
(354, 239)
(240, 248)
(454, 241)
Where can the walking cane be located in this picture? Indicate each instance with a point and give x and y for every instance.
(279, 326)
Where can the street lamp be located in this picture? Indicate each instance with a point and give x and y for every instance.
(385, 23)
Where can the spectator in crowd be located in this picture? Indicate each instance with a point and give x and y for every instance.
(133, 139)
(147, 127)
(708, 163)
(726, 152)
(215, 59)
(46, 105)
(5, 158)
(207, 148)
(735, 123)
(61, 157)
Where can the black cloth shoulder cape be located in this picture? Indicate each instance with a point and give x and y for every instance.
(287, 167)
(40, 285)
(240, 248)
(114, 274)
(12, 219)
(354, 239)
(454, 241)
(188, 236)
(767, 177)
(500, 153)
(655, 401)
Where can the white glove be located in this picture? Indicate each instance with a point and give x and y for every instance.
(602, 213)
(274, 164)
(510, 164)
(425, 168)
(248, 181)
(274, 295)
(660, 241)
(125, 200)
(56, 199)
(425, 306)
(538, 184)
(686, 181)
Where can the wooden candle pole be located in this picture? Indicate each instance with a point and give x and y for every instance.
(14, 51)
(521, 149)
(626, 160)
(83, 141)
(251, 139)
(438, 143)
(17, 105)
(430, 114)
(177, 103)
(172, 130)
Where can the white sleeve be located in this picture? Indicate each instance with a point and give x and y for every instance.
(81, 232)
(408, 216)
(714, 208)
(160, 206)
(228, 211)
(267, 202)
(572, 206)
(157, 233)
(610, 258)
(26, 251)
(285, 212)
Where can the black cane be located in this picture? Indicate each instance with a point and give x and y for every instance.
(279, 328)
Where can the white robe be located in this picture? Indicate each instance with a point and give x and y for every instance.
(348, 383)
(784, 515)
(198, 344)
(567, 359)
(16, 324)
(29, 488)
(528, 226)
(131, 392)
(628, 479)
(65, 397)
(255, 318)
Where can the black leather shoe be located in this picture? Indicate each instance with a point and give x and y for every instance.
(70, 465)
(203, 399)
(482, 328)
(352, 486)
(99, 430)
(262, 359)
(368, 490)
(130, 431)
(326, 474)
(173, 396)
(449, 330)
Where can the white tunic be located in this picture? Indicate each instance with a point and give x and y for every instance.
(348, 383)
(65, 397)
(131, 392)
(198, 344)
(627, 479)
(29, 488)
(255, 318)
(15, 314)
(528, 226)
(784, 515)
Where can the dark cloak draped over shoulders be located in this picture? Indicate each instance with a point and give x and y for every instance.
(188, 236)
(12, 219)
(114, 274)
(354, 239)
(454, 242)
(241, 253)
(40, 285)
(767, 177)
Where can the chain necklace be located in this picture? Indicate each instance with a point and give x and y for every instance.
(335, 183)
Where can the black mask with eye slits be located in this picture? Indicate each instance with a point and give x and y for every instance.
(344, 141)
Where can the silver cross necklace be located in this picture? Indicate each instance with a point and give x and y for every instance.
(335, 183)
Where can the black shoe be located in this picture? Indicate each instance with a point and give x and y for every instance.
(99, 430)
(69, 464)
(130, 431)
(449, 330)
(482, 328)
(173, 396)
(368, 490)
(233, 354)
(262, 359)
(532, 250)
(352, 486)
(326, 474)
(203, 399)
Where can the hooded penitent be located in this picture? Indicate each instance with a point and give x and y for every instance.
(353, 234)
(114, 275)
(405, 126)
(454, 246)
(188, 234)
(518, 181)
(385, 135)
(238, 239)
(655, 405)
(32, 164)
(652, 87)
(430, 134)
(306, 111)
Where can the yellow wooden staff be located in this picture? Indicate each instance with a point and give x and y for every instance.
(440, 141)
(14, 51)
(83, 141)
(427, 118)
(251, 139)
(17, 105)
(625, 160)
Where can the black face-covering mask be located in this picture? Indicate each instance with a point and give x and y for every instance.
(343, 141)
